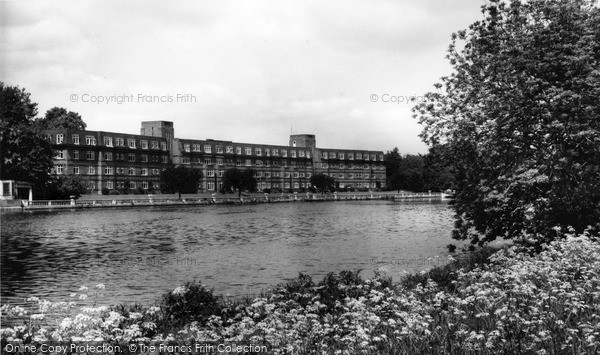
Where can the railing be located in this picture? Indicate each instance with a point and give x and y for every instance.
(230, 200)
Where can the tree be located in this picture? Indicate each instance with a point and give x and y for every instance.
(322, 182)
(58, 117)
(180, 180)
(70, 185)
(24, 153)
(520, 117)
(240, 180)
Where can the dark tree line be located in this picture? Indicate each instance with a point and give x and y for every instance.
(417, 172)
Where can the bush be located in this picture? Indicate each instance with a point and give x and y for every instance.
(114, 192)
(188, 303)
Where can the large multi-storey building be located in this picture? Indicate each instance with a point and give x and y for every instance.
(115, 161)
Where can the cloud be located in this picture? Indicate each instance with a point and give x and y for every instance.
(254, 68)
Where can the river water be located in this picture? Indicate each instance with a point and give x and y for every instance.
(139, 253)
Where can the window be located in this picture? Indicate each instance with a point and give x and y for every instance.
(229, 149)
(108, 156)
(60, 169)
(366, 156)
(219, 149)
(90, 155)
(284, 153)
(301, 154)
(258, 151)
(267, 152)
(221, 173)
(351, 156)
(268, 174)
(296, 185)
(90, 140)
(186, 147)
(275, 152)
(296, 175)
(210, 185)
(207, 160)
(210, 173)
(196, 147)
(108, 170)
(75, 139)
(144, 158)
(248, 162)
(358, 156)
(259, 174)
(324, 155)
(108, 141)
(164, 159)
(132, 184)
(155, 172)
(238, 150)
(186, 160)
(380, 157)
(131, 143)
(60, 154)
(75, 154)
(131, 171)
(286, 175)
(373, 157)
(308, 175)
(131, 157)
(59, 138)
(144, 144)
(248, 151)
(341, 155)
(207, 148)
(238, 162)
(144, 172)
(76, 170)
(145, 185)
(119, 142)
(163, 145)
(91, 170)
(332, 155)
(109, 185)
(259, 162)
(219, 161)
(293, 153)
(154, 144)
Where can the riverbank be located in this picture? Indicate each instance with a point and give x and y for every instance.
(514, 302)
(120, 201)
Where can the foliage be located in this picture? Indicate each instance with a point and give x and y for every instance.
(514, 302)
(240, 180)
(519, 116)
(179, 180)
(418, 172)
(24, 153)
(323, 182)
(58, 117)
(70, 185)
(191, 302)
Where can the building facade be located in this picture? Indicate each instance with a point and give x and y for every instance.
(118, 161)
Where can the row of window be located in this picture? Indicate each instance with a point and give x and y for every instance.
(108, 170)
(244, 162)
(351, 166)
(187, 147)
(131, 184)
(108, 156)
(108, 141)
(357, 176)
(351, 156)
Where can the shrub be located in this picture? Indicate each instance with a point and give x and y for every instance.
(188, 303)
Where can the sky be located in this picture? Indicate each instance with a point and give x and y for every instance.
(247, 71)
